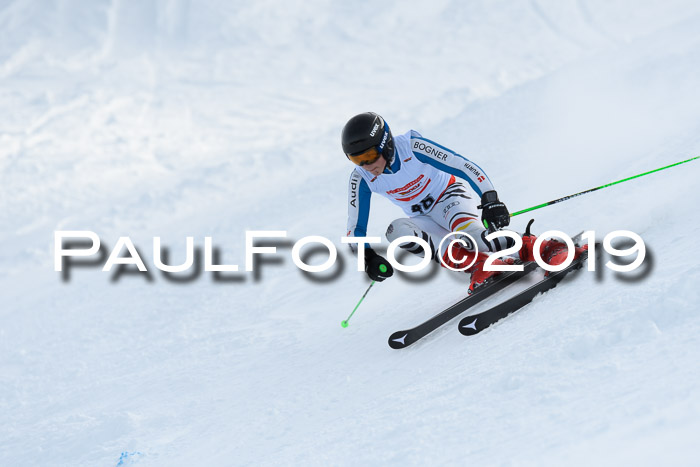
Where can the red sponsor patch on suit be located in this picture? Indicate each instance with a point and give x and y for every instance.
(406, 188)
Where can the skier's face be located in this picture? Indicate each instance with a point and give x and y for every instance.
(371, 160)
(377, 167)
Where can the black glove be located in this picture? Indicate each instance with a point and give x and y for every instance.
(376, 267)
(494, 214)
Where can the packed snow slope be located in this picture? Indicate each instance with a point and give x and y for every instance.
(177, 118)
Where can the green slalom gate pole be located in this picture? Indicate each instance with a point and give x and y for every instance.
(549, 203)
(344, 323)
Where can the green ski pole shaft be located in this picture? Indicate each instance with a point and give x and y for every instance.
(549, 203)
(344, 323)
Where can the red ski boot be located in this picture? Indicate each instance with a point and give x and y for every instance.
(552, 252)
(462, 257)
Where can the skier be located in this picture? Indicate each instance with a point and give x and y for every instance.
(421, 177)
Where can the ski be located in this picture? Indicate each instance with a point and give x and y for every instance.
(474, 324)
(402, 339)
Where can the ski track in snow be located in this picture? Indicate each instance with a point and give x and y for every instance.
(174, 118)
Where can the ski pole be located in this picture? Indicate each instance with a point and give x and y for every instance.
(549, 203)
(344, 323)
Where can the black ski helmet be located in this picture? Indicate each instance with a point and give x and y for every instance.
(367, 130)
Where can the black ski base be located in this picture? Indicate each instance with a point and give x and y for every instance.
(476, 323)
(402, 339)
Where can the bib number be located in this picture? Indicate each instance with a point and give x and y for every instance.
(424, 205)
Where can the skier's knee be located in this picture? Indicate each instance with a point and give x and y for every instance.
(404, 227)
(401, 228)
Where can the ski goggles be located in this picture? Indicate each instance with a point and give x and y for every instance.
(370, 156)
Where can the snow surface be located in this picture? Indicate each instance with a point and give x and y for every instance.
(176, 118)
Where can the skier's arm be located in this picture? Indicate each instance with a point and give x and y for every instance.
(359, 196)
(446, 160)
